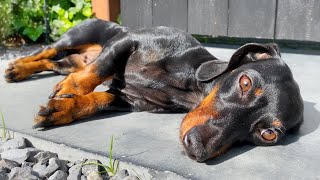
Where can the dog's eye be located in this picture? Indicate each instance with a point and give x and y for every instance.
(245, 83)
(268, 134)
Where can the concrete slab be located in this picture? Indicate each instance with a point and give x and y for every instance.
(151, 140)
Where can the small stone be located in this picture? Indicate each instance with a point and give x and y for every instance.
(120, 175)
(87, 169)
(80, 161)
(3, 175)
(131, 177)
(52, 167)
(5, 170)
(16, 143)
(18, 173)
(40, 169)
(58, 175)
(123, 173)
(32, 154)
(54, 164)
(83, 178)
(7, 164)
(70, 164)
(75, 172)
(29, 164)
(45, 156)
(18, 155)
(63, 165)
(105, 177)
(94, 176)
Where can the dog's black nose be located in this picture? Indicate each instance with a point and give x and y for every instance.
(194, 146)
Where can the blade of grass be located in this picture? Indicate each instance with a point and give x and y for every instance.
(110, 153)
(113, 163)
(94, 163)
(3, 127)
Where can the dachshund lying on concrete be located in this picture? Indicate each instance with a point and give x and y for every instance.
(253, 97)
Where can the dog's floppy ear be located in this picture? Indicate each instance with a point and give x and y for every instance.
(247, 53)
(253, 52)
(210, 69)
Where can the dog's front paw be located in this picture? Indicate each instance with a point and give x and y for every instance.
(72, 84)
(17, 72)
(58, 111)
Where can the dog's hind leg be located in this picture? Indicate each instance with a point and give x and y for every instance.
(90, 33)
(67, 65)
(73, 98)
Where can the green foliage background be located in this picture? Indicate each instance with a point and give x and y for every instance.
(26, 17)
(5, 19)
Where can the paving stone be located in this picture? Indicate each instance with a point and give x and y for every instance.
(58, 175)
(18, 155)
(87, 169)
(94, 176)
(45, 156)
(16, 143)
(75, 172)
(8, 164)
(18, 173)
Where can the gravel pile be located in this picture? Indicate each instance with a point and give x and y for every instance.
(20, 160)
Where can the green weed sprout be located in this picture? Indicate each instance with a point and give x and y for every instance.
(113, 163)
(4, 129)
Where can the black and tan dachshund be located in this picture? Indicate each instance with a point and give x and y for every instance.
(253, 97)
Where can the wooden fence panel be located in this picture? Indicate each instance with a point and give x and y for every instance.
(136, 13)
(208, 17)
(173, 13)
(252, 18)
(298, 20)
(270, 19)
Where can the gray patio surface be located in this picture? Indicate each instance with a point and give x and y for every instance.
(151, 140)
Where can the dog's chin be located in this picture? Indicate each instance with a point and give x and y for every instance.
(199, 159)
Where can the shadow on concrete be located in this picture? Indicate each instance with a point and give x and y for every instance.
(311, 123)
(38, 77)
(236, 150)
(98, 116)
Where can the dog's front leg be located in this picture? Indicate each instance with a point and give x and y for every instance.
(74, 98)
(61, 111)
(78, 83)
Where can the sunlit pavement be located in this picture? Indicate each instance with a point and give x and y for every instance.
(151, 140)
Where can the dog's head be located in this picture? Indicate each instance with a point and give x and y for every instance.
(254, 98)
